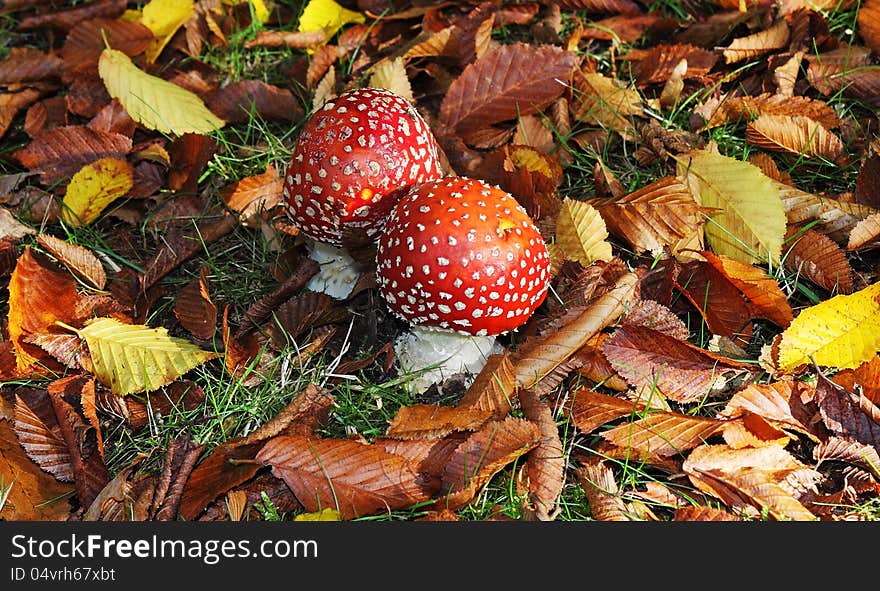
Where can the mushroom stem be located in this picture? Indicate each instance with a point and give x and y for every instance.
(338, 272)
(436, 354)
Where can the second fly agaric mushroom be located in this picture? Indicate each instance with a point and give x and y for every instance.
(462, 262)
(352, 161)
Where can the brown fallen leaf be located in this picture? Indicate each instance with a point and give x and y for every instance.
(676, 369)
(39, 433)
(238, 101)
(66, 19)
(546, 462)
(481, 456)
(34, 494)
(794, 134)
(867, 189)
(864, 379)
(433, 421)
(355, 478)
(751, 480)
(26, 64)
(194, 309)
(661, 434)
(598, 483)
(78, 259)
(58, 153)
(865, 235)
(253, 195)
(505, 83)
(85, 41)
(765, 41)
(493, 388)
(189, 153)
(819, 259)
(11, 103)
(780, 403)
(655, 65)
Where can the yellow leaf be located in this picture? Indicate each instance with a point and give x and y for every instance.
(130, 358)
(322, 515)
(581, 232)
(163, 18)
(93, 188)
(842, 332)
(328, 16)
(749, 222)
(153, 102)
(391, 75)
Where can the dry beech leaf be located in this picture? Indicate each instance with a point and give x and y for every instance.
(751, 478)
(303, 312)
(606, 102)
(600, 487)
(80, 260)
(850, 451)
(841, 332)
(546, 462)
(432, 45)
(532, 131)
(93, 188)
(540, 357)
(869, 24)
(83, 45)
(662, 434)
(593, 365)
(482, 455)
(780, 403)
(25, 64)
(656, 65)
(786, 75)
(661, 216)
(867, 189)
(492, 388)
(194, 309)
(816, 257)
(505, 83)
(765, 41)
(763, 291)
(732, 109)
(355, 478)
(253, 195)
(794, 135)
(836, 218)
(865, 377)
(865, 235)
(848, 415)
(38, 431)
(581, 233)
(629, 28)
(654, 315)
(680, 371)
(60, 152)
(391, 74)
(292, 39)
(11, 229)
(35, 494)
(433, 421)
(703, 513)
(39, 295)
(12, 102)
(64, 20)
(847, 70)
(237, 101)
(590, 410)
(748, 223)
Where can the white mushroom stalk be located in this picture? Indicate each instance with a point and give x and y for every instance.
(337, 274)
(463, 258)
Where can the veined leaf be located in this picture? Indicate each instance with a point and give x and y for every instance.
(153, 102)
(749, 225)
(391, 74)
(327, 16)
(841, 332)
(131, 358)
(94, 187)
(581, 233)
(163, 18)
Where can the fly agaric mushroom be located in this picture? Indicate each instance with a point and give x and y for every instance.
(353, 159)
(461, 261)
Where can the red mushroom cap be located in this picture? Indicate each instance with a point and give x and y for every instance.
(353, 160)
(461, 254)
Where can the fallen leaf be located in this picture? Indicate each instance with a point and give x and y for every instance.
(816, 257)
(239, 101)
(93, 188)
(581, 233)
(391, 74)
(153, 102)
(771, 39)
(433, 421)
(794, 135)
(80, 260)
(194, 309)
(546, 462)
(164, 18)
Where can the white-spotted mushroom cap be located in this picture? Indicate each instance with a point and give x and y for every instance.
(353, 159)
(461, 254)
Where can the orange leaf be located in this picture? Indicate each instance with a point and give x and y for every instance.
(795, 135)
(254, 194)
(492, 389)
(433, 421)
(763, 291)
(866, 234)
(662, 434)
(38, 296)
(546, 462)
(78, 259)
(819, 259)
(869, 23)
(83, 45)
(770, 39)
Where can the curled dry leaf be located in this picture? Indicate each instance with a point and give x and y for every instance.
(865, 379)
(657, 64)
(765, 41)
(505, 83)
(598, 483)
(12, 102)
(546, 462)
(680, 371)
(751, 479)
(292, 39)
(732, 109)
(194, 309)
(254, 194)
(782, 403)
(433, 421)
(836, 218)
(78, 259)
(355, 478)
(482, 455)
(661, 216)
(866, 234)
(492, 389)
(794, 135)
(846, 414)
